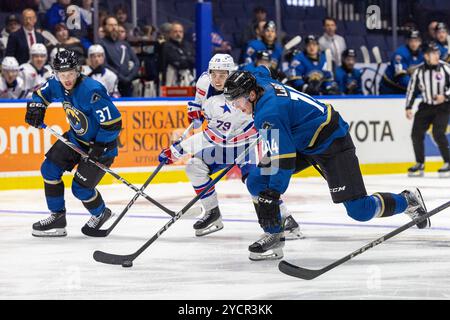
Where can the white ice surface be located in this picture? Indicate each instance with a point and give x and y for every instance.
(415, 264)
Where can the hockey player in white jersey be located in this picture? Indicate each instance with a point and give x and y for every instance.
(227, 133)
(11, 85)
(36, 72)
(97, 70)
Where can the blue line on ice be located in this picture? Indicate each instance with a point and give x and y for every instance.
(233, 220)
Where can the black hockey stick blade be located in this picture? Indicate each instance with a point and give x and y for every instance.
(309, 274)
(298, 272)
(109, 258)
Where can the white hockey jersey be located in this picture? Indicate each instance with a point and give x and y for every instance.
(17, 91)
(106, 77)
(226, 126)
(33, 78)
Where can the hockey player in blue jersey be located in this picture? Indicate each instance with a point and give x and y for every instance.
(442, 38)
(95, 124)
(403, 63)
(303, 132)
(308, 70)
(348, 77)
(267, 43)
(263, 58)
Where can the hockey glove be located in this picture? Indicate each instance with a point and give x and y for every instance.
(171, 154)
(96, 150)
(195, 115)
(35, 114)
(268, 210)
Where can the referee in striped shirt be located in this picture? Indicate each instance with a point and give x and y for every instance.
(432, 80)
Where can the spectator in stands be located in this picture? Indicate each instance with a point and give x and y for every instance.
(308, 73)
(86, 11)
(20, 42)
(122, 32)
(101, 32)
(56, 14)
(164, 32)
(121, 13)
(331, 40)
(67, 42)
(35, 72)
(12, 25)
(348, 77)
(403, 63)
(267, 42)
(148, 33)
(177, 58)
(11, 85)
(442, 36)
(431, 36)
(259, 15)
(96, 70)
(120, 58)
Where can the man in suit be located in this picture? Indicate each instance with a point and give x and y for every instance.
(20, 42)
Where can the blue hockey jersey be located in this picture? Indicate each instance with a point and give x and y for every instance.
(401, 66)
(276, 52)
(349, 82)
(303, 68)
(296, 121)
(91, 114)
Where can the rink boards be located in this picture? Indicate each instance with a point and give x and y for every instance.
(378, 126)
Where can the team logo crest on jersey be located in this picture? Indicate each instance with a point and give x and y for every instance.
(77, 120)
(95, 97)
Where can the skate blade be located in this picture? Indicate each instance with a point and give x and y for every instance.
(211, 229)
(294, 234)
(53, 233)
(444, 175)
(273, 254)
(415, 174)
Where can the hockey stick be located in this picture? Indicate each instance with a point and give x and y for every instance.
(127, 260)
(329, 59)
(309, 274)
(106, 232)
(377, 55)
(106, 169)
(365, 54)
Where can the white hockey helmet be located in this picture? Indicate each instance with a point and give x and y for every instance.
(38, 49)
(10, 63)
(95, 48)
(221, 61)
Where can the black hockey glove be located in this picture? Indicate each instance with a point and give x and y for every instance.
(268, 209)
(96, 150)
(35, 114)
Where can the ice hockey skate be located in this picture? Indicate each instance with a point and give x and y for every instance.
(95, 222)
(269, 247)
(416, 170)
(211, 222)
(444, 171)
(291, 227)
(416, 207)
(53, 226)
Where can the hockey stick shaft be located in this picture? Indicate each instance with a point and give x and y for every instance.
(108, 258)
(106, 232)
(106, 169)
(309, 274)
